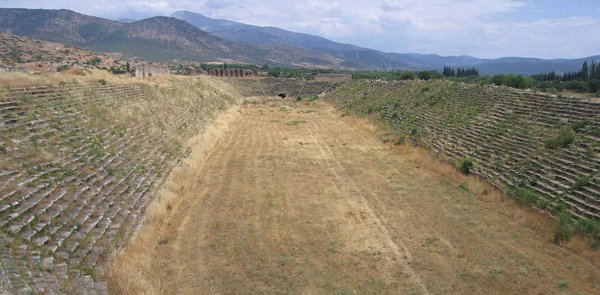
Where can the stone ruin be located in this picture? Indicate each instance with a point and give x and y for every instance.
(235, 73)
(151, 70)
(61, 217)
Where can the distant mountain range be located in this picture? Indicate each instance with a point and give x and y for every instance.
(351, 55)
(188, 36)
(354, 56)
(160, 38)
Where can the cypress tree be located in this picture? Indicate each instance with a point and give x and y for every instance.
(585, 71)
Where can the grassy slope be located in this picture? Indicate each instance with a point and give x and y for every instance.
(505, 131)
(134, 139)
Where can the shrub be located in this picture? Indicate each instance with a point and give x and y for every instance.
(518, 82)
(116, 71)
(406, 75)
(589, 227)
(515, 81)
(94, 61)
(580, 86)
(425, 75)
(564, 227)
(594, 85)
(466, 165)
(298, 98)
(578, 127)
(62, 68)
(563, 140)
(526, 196)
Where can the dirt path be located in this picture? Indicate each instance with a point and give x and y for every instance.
(299, 201)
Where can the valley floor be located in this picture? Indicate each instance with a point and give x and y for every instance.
(295, 199)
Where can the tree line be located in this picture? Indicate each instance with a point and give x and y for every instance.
(460, 72)
(587, 72)
(586, 79)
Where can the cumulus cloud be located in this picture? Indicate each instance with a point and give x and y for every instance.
(450, 27)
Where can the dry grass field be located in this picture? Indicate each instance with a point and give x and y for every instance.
(296, 199)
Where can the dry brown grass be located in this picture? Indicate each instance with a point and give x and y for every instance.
(324, 208)
(542, 222)
(48, 79)
(131, 270)
(85, 76)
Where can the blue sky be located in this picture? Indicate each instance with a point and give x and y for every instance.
(529, 28)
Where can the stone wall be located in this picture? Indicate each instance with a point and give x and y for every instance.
(275, 86)
(151, 70)
(231, 73)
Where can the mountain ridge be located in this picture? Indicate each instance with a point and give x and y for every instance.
(414, 61)
(193, 37)
(160, 38)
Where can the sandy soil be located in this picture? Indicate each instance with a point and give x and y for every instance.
(297, 200)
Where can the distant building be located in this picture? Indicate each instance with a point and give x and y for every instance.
(333, 78)
(151, 70)
(235, 73)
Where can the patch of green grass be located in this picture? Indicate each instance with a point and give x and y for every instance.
(563, 285)
(284, 260)
(581, 182)
(504, 126)
(590, 228)
(87, 271)
(580, 126)
(564, 139)
(564, 227)
(295, 122)
(526, 196)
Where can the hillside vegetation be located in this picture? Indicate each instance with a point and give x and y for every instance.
(80, 164)
(43, 56)
(542, 149)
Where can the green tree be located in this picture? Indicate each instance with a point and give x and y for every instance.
(425, 75)
(585, 71)
(407, 75)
